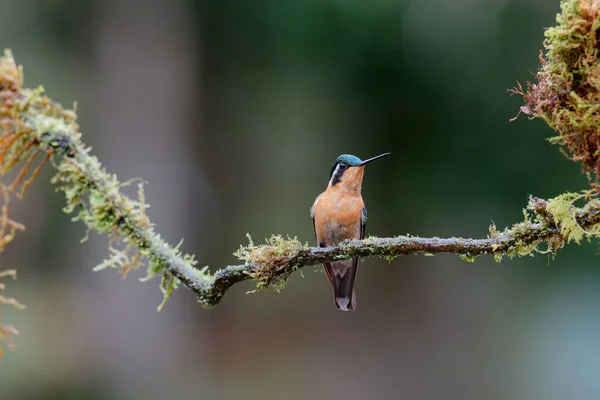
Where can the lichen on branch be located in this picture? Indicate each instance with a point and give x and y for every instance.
(548, 225)
(36, 131)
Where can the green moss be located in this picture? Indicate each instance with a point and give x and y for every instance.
(567, 92)
(493, 231)
(271, 260)
(563, 212)
(468, 258)
(168, 283)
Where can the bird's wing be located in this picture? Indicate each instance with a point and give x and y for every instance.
(363, 223)
(312, 215)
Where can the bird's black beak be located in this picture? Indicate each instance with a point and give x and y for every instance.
(365, 162)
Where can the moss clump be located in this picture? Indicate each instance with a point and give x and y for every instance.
(468, 258)
(539, 226)
(11, 75)
(567, 92)
(272, 260)
(563, 211)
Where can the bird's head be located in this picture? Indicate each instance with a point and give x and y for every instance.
(349, 169)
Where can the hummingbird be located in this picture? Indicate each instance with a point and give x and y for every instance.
(339, 214)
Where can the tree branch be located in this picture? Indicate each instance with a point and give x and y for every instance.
(552, 222)
(34, 127)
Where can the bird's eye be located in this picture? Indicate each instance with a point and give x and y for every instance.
(343, 166)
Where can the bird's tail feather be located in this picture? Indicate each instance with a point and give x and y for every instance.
(341, 275)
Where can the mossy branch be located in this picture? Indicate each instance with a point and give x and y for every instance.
(547, 226)
(33, 127)
(36, 131)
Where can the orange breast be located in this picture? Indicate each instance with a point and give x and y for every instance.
(337, 217)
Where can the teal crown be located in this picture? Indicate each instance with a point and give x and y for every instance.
(349, 159)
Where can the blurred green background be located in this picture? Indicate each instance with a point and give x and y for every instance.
(234, 111)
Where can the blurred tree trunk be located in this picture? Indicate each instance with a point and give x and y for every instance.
(141, 95)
